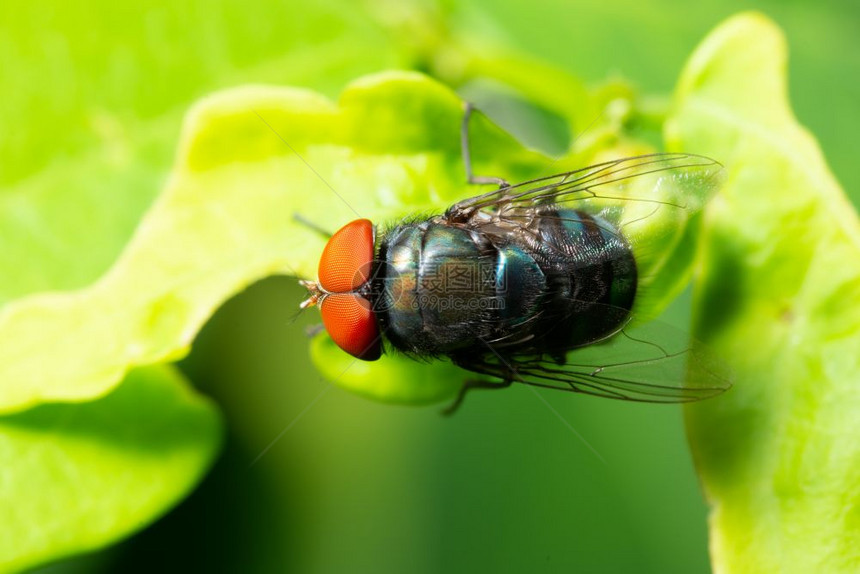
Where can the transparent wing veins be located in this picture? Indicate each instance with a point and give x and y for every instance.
(684, 375)
(580, 184)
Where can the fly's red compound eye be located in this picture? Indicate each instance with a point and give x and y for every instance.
(346, 259)
(351, 324)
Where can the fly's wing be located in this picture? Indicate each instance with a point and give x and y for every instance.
(652, 363)
(650, 203)
(648, 199)
(674, 180)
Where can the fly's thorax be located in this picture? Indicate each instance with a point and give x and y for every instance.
(438, 290)
(395, 287)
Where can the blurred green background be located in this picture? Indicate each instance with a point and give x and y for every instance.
(354, 486)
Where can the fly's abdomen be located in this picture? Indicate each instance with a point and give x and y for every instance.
(521, 286)
(591, 276)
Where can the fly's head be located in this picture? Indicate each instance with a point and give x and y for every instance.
(341, 291)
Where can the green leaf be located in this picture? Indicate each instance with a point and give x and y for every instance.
(88, 140)
(389, 148)
(250, 159)
(779, 298)
(77, 476)
(394, 379)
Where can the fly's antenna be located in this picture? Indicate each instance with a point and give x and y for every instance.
(312, 331)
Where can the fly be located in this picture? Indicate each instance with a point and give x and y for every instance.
(534, 283)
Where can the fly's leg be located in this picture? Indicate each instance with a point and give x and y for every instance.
(312, 331)
(470, 384)
(467, 159)
(301, 220)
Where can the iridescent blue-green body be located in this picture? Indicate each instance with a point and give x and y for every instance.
(555, 280)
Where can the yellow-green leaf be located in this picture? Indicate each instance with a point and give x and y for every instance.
(779, 298)
(250, 159)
